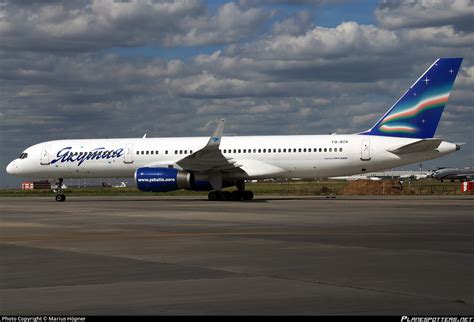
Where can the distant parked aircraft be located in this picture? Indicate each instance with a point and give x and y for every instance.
(454, 174)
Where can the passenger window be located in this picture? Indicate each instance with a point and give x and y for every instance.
(264, 150)
(180, 151)
(138, 152)
(245, 150)
(235, 151)
(166, 152)
(175, 151)
(325, 150)
(340, 149)
(185, 151)
(259, 150)
(147, 152)
(254, 150)
(294, 150)
(151, 152)
(304, 150)
(238, 151)
(320, 150)
(191, 151)
(156, 152)
(330, 149)
(299, 150)
(274, 150)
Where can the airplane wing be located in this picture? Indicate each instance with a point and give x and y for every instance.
(210, 158)
(418, 146)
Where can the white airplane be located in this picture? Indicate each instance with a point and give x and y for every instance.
(402, 136)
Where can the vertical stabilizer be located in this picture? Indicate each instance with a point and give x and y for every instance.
(417, 113)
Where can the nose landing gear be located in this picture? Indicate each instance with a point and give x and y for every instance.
(60, 197)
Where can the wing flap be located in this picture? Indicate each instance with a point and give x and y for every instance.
(255, 168)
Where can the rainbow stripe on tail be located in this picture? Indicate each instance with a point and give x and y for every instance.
(417, 113)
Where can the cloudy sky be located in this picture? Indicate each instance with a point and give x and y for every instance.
(104, 68)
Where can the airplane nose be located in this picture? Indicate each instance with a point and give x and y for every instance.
(11, 168)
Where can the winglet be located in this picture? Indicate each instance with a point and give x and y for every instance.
(215, 138)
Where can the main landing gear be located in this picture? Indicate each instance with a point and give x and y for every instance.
(60, 197)
(236, 195)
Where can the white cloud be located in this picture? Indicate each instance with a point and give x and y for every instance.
(439, 36)
(424, 13)
(326, 42)
(97, 24)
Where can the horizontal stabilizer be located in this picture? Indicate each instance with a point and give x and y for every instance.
(416, 147)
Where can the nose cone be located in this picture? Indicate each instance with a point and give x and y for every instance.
(12, 168)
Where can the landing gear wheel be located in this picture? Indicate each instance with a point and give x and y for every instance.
(236, 195)
(226, 196)
(214, 195)
(247, 195)
(60, 197)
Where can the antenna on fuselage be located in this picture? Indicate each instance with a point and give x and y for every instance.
(144, 136)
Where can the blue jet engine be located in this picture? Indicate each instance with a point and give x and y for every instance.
(169, 179)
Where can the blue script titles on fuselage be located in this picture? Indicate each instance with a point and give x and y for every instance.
(66, 155)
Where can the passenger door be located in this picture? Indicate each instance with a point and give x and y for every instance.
(45, 155)
(128, 156)
(365, 150)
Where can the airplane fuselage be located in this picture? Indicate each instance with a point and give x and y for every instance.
(301, 156)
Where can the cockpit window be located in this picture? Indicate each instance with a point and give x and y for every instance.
(23, 155)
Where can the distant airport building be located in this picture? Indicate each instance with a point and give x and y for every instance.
(391, 174)
(30, 185)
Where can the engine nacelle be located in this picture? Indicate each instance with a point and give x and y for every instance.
(169, 179)
(162, 179)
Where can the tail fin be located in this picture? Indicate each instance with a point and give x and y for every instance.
(416, 114)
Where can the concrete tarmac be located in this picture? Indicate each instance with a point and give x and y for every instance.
(177, 255)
